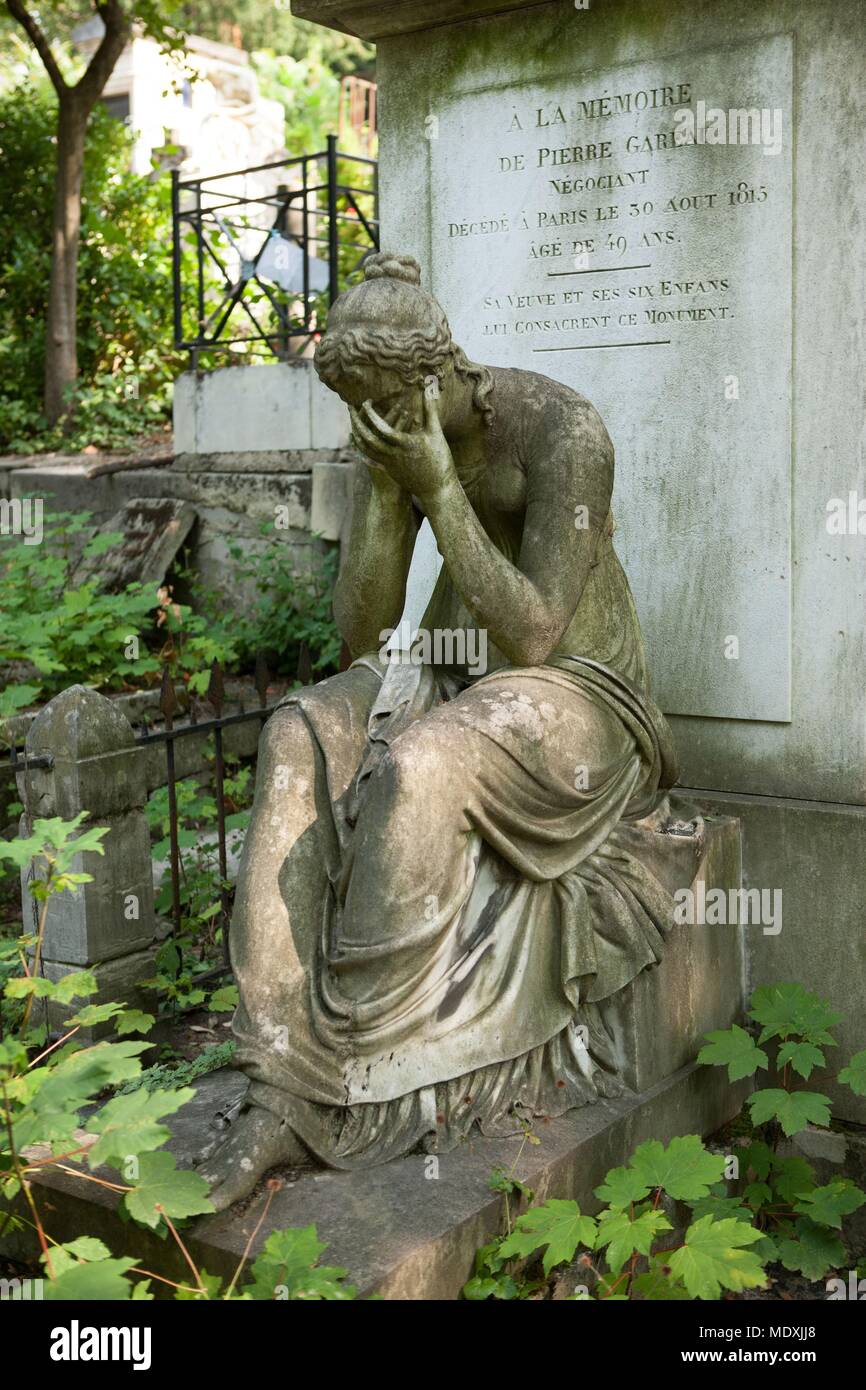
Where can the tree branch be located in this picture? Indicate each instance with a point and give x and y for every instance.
(117, 30)
(40, 43)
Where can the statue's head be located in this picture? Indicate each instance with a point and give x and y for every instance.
(387, 338)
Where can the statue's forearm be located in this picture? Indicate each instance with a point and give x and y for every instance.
(371, 590)
(518, 619)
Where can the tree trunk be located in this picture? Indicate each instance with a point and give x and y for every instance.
(61, 354)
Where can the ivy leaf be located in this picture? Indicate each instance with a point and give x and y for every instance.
(685, 1169)
(161, 1185)
(787, 1009)
(288, 1268)
(757, 1194)
(814, 1251)
(92, 1014)
(623, 1235)
(223, 1000)
(500, 1181)
(716, 1206)
(758, 1156)
(803, 1057)
(22, 985)
(101, 1280)
(827, 1205)
(190, 1294)
(72, 1252)
(76, 985)
(794, 1110)
(622, 1187)
(57, 1092)
(736, 1049)
(714, 1257)
(854, 1075)
(792, 1177)
(134, 1021)
(558, 1225)
(128, 1124)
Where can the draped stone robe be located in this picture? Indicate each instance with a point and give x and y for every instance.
(475, 879)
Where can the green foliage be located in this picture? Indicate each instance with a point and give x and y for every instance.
(854, 1075)
(263, 24)
(287, 609)
(164, 1076)
(310, 93)
(75, 634)
(772, 1209)
(621, 1245)
(127, 360)
(778, 1192)
(188, 953)
(735, 1048)
(288, 1269)
(714, 1257)
(67, 634)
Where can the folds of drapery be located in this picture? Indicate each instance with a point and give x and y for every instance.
(557, 898)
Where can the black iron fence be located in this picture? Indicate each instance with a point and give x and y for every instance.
(204, 719)
(259, 254)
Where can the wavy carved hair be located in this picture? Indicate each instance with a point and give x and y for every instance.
(412, 353)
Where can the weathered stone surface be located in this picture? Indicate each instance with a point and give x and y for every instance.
(153, 531)
(814, 855)
(119, 981)
(272, 407)
(373, 19)
(96, 921)
(659, 1020)
(96, 765)
(96, 768)
(821, 752)
(407, 1229)
(332, 488)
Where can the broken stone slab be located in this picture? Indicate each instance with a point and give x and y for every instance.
(409, 1229)
(153, 531)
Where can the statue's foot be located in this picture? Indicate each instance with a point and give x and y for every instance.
(257, 1141)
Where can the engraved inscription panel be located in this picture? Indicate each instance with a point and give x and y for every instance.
(629, 233)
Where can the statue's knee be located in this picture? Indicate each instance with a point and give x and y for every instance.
(414, 770)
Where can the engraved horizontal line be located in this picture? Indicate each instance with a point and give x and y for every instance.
(592, 347)
(605, 270)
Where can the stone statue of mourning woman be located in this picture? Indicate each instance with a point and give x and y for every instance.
(449, 871)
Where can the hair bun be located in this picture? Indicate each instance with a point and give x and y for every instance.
(385, 264)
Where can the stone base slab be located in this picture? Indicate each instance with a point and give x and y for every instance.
(400, 1229)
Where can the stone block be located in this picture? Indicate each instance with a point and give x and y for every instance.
(814, 856)
(96, 765)
(396, 1229)
(95, 921)
(332, 485)
(270, 409)
(119, 982)
(658, 1022)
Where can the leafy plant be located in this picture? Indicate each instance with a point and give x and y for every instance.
(42, 1098)
(778, 1191)
(188, 954)
(628, 1246)
(51, 848)
(286, 611)
(65, 633)
(127, 359)
(773, 1210)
